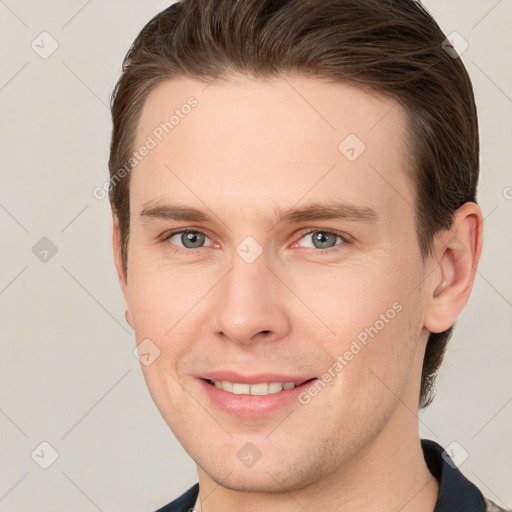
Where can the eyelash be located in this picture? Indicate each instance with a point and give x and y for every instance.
(345, 240)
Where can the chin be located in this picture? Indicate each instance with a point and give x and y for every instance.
(264, 477)
(257, 482)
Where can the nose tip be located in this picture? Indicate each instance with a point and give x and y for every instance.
(249, 299)
(243, 334)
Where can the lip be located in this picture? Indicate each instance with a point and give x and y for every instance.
(259, 378)
(253, 406)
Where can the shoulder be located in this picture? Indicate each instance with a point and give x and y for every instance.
(184, 503)
(490, 506)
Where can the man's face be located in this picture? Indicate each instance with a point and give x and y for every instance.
(249, 297)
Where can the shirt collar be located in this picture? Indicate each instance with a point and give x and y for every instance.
(456, 492)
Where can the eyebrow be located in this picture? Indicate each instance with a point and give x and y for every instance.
(311, 212)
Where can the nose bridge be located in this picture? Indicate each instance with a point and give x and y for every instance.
(246, 278)
(250, 300)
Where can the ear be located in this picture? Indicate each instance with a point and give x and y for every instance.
(116, 246)
(457, 252)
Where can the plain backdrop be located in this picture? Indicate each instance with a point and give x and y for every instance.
(68, 375)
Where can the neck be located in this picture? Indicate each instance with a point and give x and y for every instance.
(390, 473)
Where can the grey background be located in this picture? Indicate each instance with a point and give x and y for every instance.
(68, 375)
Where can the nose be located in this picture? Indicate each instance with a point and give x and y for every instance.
(252, 303)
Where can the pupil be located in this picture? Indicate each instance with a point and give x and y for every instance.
(191, 237)
(322, 238)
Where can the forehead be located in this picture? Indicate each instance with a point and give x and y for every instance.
(249, 144)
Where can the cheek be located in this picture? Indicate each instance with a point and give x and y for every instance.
(159, 312)
(370, 375)
(349, 297)
(381, 371)
(161, 301)
(374, 322)
(161, 295)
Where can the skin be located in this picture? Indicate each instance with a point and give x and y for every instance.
(248, 147)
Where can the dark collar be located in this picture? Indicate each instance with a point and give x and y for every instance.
(185, 503)
(456, 492)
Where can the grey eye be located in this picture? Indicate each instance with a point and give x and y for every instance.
(190, 239)
(322, 239)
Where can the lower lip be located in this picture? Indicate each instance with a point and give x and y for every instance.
(253, 405)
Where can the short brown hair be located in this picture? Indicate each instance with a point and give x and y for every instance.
(391, 46)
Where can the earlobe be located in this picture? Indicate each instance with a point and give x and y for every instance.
(458, 256)
(128, 318)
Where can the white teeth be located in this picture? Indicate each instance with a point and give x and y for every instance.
(259, 389)
(241, 389)
(227, 386)
(263, 388)
(275, 387)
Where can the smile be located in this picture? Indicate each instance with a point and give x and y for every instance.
(262, 388)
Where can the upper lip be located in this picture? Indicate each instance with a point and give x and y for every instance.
(230, 376)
